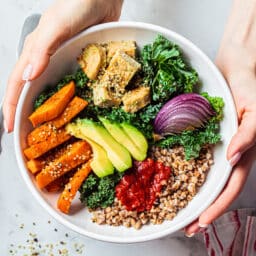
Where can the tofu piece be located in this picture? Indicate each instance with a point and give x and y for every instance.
(136, 99)
(128, 47)
(102, 97)
(120, 71)
(92, 59)
(109, 90)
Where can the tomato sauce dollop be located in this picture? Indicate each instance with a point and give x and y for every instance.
(139, 188)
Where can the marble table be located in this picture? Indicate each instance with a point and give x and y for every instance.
(24, 223)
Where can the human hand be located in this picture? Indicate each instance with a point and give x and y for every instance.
(60, 22)
(236, 59)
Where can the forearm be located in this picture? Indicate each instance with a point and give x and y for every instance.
(238, 45)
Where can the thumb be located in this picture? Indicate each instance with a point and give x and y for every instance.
(36, 65)
(244, 139)
(32, 62)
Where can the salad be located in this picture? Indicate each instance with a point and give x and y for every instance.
(130, 130)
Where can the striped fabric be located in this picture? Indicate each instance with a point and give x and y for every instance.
(233, 234)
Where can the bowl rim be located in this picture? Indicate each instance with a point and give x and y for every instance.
(52, 211)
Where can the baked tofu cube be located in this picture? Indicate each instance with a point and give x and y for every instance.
(120, 71)
(92, 59)
(102, 96)
(136, 99)
(128, 47)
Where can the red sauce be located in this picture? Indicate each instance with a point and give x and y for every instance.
(138, 189)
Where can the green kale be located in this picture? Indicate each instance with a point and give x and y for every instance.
(193, 141)
(217, 104)
(78, 77)
(99, 192)
(165, 70)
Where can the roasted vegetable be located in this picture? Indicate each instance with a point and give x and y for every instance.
(54, 106)
(129, 47)
(80, 79)
(75, 154)
(92, 59)
(55, 139)
(41, 133)
(35, 165)
(71, 188)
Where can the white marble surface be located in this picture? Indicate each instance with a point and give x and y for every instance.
(200, 21)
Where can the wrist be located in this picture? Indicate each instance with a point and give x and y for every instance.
(235, 59)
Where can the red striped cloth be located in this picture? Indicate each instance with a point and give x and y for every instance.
(233, 234)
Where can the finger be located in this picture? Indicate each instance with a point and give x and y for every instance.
(244, 138)
(192, 229)
(14, 87)
(231, 190)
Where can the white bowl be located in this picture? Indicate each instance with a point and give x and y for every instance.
(64, 62)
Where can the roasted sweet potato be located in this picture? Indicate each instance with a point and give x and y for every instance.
(72, 187)
(54, 106)
(35, 165)
(59, 184)
(56, 138)
(42, 132)
(75, 154)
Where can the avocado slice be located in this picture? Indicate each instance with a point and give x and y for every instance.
(100, 163)
(120, 135)
(136, 136)
(117, 154)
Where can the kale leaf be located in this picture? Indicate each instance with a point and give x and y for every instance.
(165, 70)
(217, 104)
(99, 192)
(193, 141)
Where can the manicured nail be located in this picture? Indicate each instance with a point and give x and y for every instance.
(6, 127)
(189, 235)
(27, 72)
(234, 159)
(201, 225)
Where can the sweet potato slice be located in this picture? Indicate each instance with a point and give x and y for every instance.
(42, 132)
(54, 106)
(75, 154)
(59, 184)
(35, 165)
(72, 187)
(56, 138)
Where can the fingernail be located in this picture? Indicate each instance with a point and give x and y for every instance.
(189, 235)
(201, 225)
(6, 127)
(27, 72)
(234, 159)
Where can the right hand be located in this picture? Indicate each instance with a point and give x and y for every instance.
(60, 22)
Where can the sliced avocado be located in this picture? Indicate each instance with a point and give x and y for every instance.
(117, 154)
(136, 136)
(100, 164)
(120, 135)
